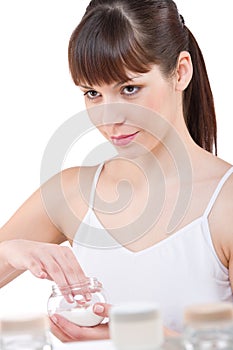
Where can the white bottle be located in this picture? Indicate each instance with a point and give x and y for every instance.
(209, 326)
(136, 327)
(25, 332)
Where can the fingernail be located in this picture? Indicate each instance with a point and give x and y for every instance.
(88, 296)
(41, 274)
(98, 309)
(54, 319)
(71, 298)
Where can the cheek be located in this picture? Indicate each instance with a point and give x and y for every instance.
(103, 131)
(158, 103)
(162, 101)
(95, 115)
(159, 115)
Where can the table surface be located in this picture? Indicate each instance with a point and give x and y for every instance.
(87, 345)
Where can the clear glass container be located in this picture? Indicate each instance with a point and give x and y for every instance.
(75, 302)
(209, 326)
(25, 332)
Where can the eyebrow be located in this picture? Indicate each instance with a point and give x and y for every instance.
(128, 80)
(115, 86)
(86, 87)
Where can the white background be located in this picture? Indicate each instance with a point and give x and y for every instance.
(38, 95)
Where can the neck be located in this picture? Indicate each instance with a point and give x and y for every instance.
(170, 158)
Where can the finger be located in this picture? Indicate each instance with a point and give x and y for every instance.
(73, 273)
(53, 269)
(64, 258)
(41, 260)
(97, 332)
(66, 328)
(170, 333)
(36, 269)
(58, 332)
(70, 266)
(102, 309)
(60, 269)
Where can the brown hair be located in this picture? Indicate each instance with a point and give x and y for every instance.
(118, 36)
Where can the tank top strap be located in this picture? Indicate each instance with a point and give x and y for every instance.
(93, 187)
(217, 191)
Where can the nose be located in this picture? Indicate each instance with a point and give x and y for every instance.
(113, 113)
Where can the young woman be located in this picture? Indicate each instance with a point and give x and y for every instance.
(164, 233)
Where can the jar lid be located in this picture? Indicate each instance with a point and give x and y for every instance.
(24, 323)
(134, 312)
(209, 312)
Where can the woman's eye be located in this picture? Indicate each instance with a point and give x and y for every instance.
(130, 90)
(92, 94)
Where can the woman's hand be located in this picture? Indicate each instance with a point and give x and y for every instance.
(68, 332)
(170, 332)
(43, 260)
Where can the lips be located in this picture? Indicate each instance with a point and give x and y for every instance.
(123, 140)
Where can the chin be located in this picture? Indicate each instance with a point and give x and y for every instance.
(132, 151)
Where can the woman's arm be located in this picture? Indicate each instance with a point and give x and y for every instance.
(30, 239)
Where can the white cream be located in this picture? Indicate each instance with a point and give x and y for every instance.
(82, 316)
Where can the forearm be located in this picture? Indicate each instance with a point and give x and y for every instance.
(7, 272)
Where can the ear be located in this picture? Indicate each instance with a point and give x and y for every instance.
(184, 71)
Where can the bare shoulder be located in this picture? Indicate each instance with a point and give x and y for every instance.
(221, 215)
(68, 192)
(222, 171)
(74, 180)
(221, 225)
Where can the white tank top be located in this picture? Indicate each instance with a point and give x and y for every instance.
(178, 271)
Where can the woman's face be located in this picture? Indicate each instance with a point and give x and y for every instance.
(129, 114)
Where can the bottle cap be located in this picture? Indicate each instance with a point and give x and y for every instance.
(209, 312)
(134, 312)
(136, 326)
(24, 323)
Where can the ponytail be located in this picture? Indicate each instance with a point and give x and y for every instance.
(198, 102)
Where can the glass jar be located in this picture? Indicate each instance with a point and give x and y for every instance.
(25, 332)
(75, 302)
(209, 326)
